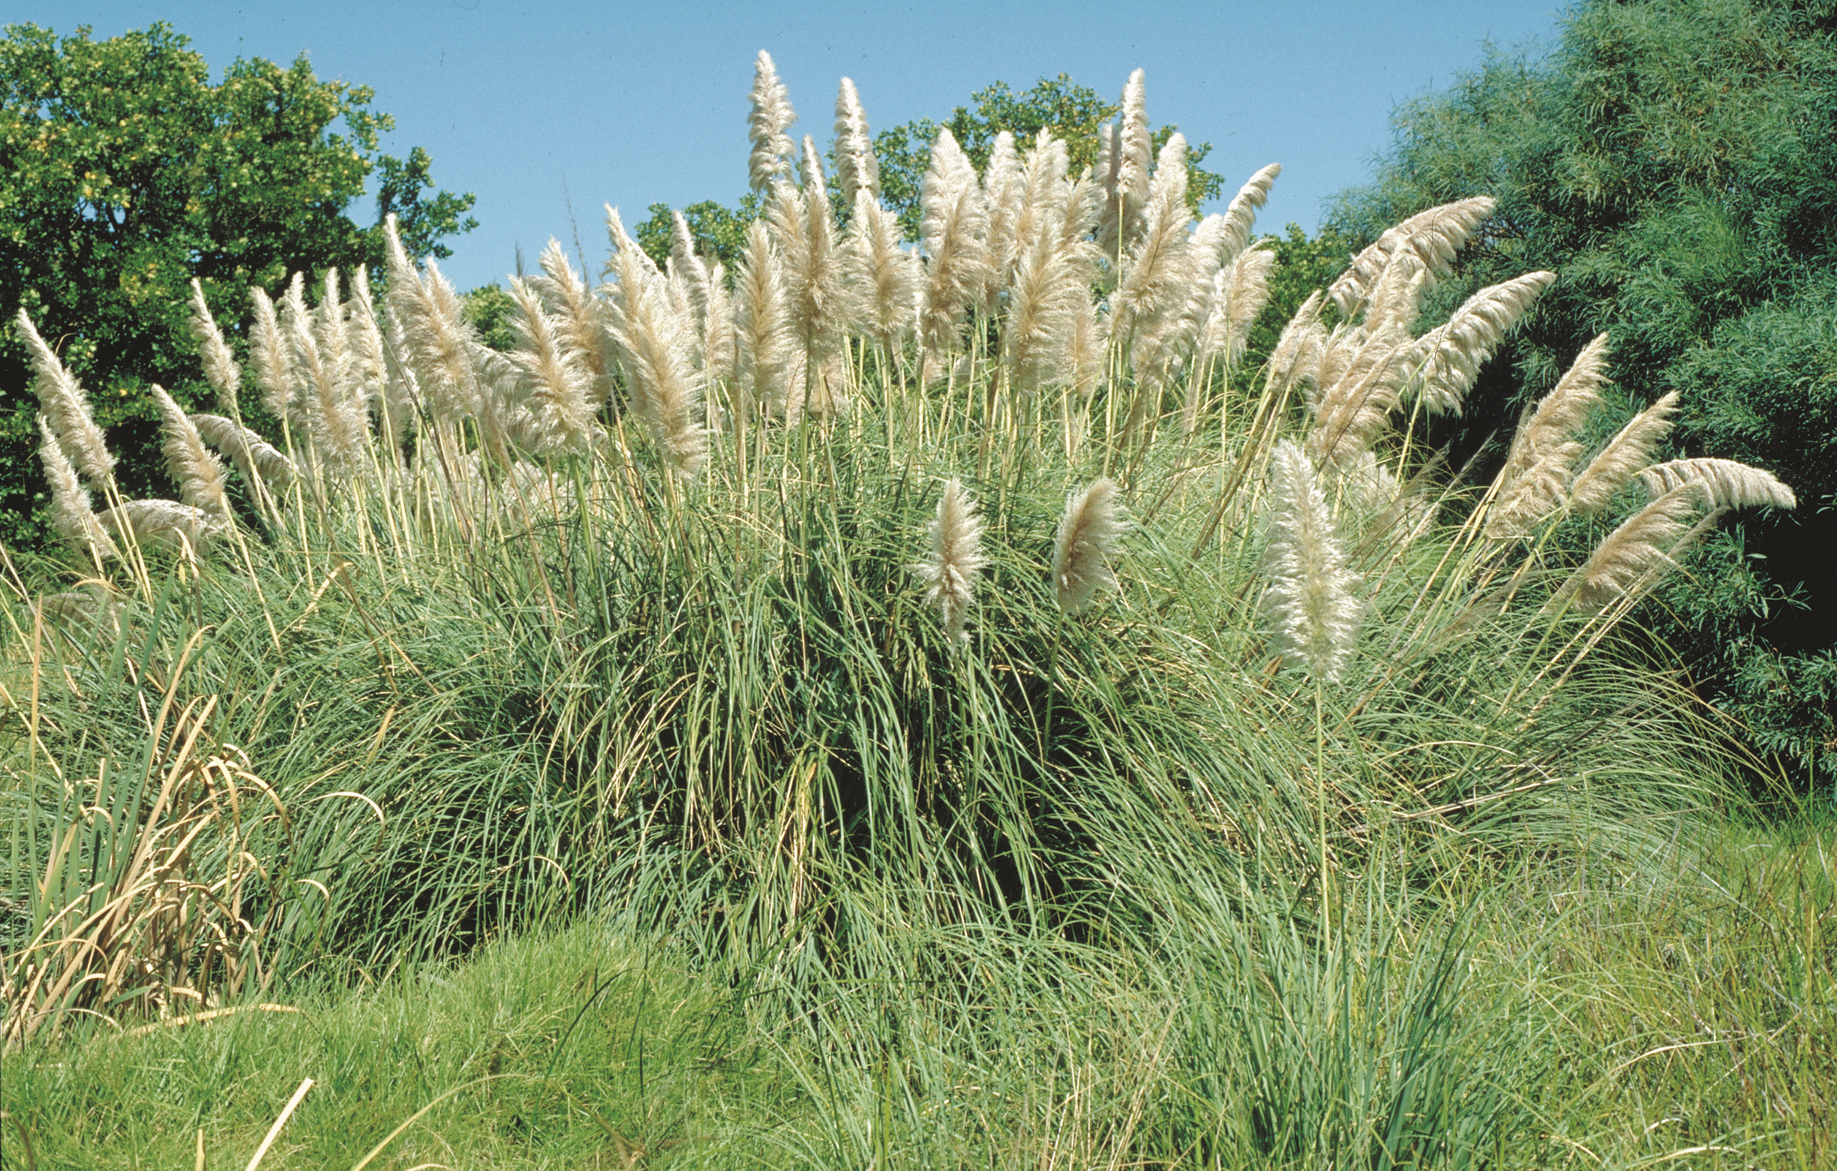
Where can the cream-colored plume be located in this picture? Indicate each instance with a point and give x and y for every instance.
(1004, 192)
(164, 524)
(856, 167)
(1296, 358)
(437, 338)
(766, 124)
(955, 228)
(1725, 483)
(1535, 479)
(1088, 532)
(887, 279)
(1356, 407)
(1314, 611)
(1241, 215)
(220, 369)
(72, 515)
(1122, 169)
(577, 314)
(268, 355)
(1624, 457)
(762, 322)
(65, 405)
(949, 574)
(1432, 237)
(258, 460)
(1633, 557)
(1157, 273)
(1450, 356)
(198, 472)
(556, 384)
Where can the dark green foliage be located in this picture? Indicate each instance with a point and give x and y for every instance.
(719, 231)
(1675, 161)
(124, 173)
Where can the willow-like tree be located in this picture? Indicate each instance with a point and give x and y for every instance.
(1676, 162)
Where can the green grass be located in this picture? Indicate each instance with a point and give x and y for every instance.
(1684, 1016)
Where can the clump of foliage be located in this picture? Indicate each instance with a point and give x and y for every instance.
(125, 173)
(886, 626)
(1676, 162)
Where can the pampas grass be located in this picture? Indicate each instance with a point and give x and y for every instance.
(954, 227)
(65, 404)
(72, 515)
(1311, 604)
(1430, 237)
(1452, 353)
(857, 170)
(1625, 455)
(1725, 483)
(220, 368)
(198, 473)
(1081, 549)
(949, 574)
(771, 113)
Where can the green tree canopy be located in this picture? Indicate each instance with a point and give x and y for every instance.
(124, 173)
(1675, 163)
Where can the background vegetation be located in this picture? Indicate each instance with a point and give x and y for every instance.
(591, 734)
(1676, 164)
(125, 172)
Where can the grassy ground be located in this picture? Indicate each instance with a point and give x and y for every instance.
(1681, 1015)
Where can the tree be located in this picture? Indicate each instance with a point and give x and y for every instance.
(1675, 161)
(124, 173)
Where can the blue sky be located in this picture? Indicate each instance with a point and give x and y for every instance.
(530, 106)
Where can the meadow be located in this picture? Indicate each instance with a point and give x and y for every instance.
(894, 708)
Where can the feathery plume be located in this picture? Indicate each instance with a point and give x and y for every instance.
(954, 227)
(1432, 237)
(566, 295)
(810, 172)
(1624, 457)
(220, 369)
(369, 366)
(1311, 603)
(1629, 560)
(656, 350)
(1535, 479)
(1157, 272)
(254, 457)
(1241, 214)
(198, 473)
(886, 277)
(949, 574)
(1045, 191)
(1725, 483)
(817, 295)
(1004, 190)
(762, 322)
(1297, 355)
(687, 262)
(718, 340)
(856, 167)
(437, 338)
(64, 403)
(1123, 171)
(555, 380)
(71, 513)
(1088, 531)
(770, 115)
(1451, 354)
(164, 524)
(1240, 292)
(1355, 409)
(1051, 287)
(268, 354)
